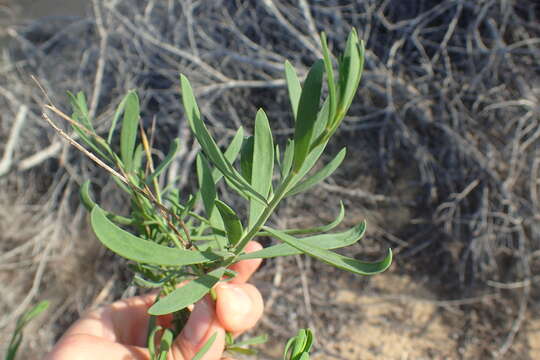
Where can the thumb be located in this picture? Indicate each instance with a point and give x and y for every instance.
(200, 327)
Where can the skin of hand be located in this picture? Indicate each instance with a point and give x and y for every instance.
(118, 331)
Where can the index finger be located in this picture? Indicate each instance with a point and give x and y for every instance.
(246, 268)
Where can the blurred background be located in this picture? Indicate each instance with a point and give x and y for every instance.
(443, 162)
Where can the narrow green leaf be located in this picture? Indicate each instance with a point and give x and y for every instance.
(293, 85)
(329, 68)
(165, 343)
(188, 294)
(89, 204)
(302, 344)
(233, 226)
(246, 158)
(263, 157)
(317, 229)
(119, 111)
(166, 162)
(134, 248)
(320, 175)
(208, 191)
(32, 313)
(241, 350)
(80, 110)
(204, 349)
(308, 108)
(332, 258)
(22, 321)
(208, 144)
(232, 151)
(80, 115)
(261, 339)
(128, 133)
(351, 68)
(323, 241)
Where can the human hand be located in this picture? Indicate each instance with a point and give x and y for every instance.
(118, 331)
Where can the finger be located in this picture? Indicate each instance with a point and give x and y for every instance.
(246, 268)
(124, 321)
(89, 347)
(238, 306)
(200, 327)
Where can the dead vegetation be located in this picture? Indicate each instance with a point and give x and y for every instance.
(443, 159)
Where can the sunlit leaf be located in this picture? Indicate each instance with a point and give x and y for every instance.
(233, 226)
(350, 69)
(308, 108)
(204, 349)
(231, 153)
(316, 229)
(329, 68)
(293, 85)
(166, 162)
(89, 204)
(128, 133)
(287, 159)
(332, 258)
(323, 241)
(208, 144)
(246, 158)
(319, 175)
(188, 294)
(261, 339)
(263, 164)
(208, 191)
(134, 248)
(118, 112)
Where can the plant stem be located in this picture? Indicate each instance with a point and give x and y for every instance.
(278, 196)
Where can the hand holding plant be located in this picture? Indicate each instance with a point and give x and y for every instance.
(119, 330)
(170, 242)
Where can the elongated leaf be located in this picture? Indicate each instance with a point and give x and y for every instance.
(119, 110)
(323, 241)
(128, 134)
(166, 162)
(89, 204)
(188, 294)
(329, 68)
(308, 107)
(165, 344)
(137, 161)
(320, 175)
(80, 110)
(208, 191)
(204, 349)
(287, 159)
(263, 159)
(246, 158)
(233, 226)
(22, 321)
(232, 151)
(134, 248)
(80, 115)
(332, 258)
(261, 339)
(316, 229)
(208, 144)
(350, 72)
(293, 85)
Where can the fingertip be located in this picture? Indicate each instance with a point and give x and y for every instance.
(238, 306)
(246, 268)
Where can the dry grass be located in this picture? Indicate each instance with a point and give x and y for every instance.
(443, 158)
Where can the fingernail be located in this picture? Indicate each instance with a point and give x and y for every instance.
(198, 323)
